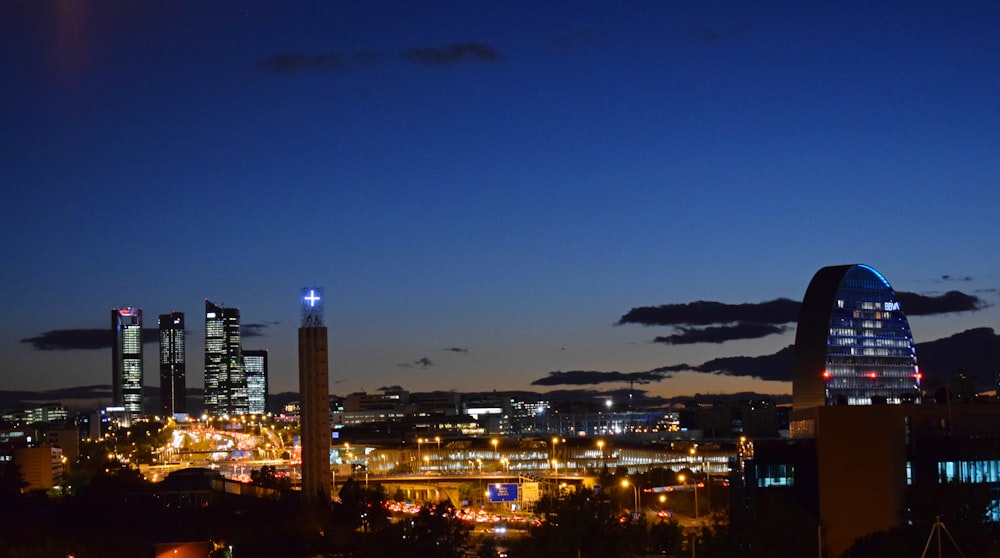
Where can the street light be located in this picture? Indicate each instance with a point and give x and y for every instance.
(494, 441)
(694, 485)
(635, 489)
(600, 446)
(708, 475)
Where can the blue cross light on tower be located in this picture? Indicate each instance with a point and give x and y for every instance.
(312, 307)
(311, 298)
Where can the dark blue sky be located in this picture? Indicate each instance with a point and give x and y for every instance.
(507, 179)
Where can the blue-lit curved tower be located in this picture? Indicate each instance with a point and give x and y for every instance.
(853, 344)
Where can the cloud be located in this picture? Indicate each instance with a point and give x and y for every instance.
(252, 330)
(755, 320)
(457, 349)
(706, 312)
(81, 339)
(292, 62)
(773, 367)
(422, 363)
(965, 278)
(289, 63)
(952, 301)
(976, 351)
(592, 377)
(390, 388)
(452, 54)
(720, 334)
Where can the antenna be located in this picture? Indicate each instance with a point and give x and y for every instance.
(937, 528)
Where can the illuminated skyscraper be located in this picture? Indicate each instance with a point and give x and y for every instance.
(225, 384)
(172, 366)
(314, 397)
(853, 344)
(126, 361)
(255, 369)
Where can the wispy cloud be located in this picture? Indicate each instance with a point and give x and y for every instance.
(453, 54)
(948, 303)
(964, 278)
(81, 339)
(776, 366)
(720, 334)
(705, 312)
(253, 330)
(594, 377)
(705, 321)
(421, 363)
(457, 349)
(288, 63)
(294, 62)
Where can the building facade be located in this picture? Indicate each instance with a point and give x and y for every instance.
(867, 454)
(853, 344)
(126, 360)
(172, 365)
(41, 467)
(225, 383)
(255, 371)
(314, 391)
(864, 466)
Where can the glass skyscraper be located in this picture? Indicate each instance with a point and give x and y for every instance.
(255, 370)
(126, 361)
(853, 344)
(172, 366)
(225, 383)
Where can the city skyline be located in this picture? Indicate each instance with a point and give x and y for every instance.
(491, 195)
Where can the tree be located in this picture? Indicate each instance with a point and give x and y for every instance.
(666, 537)
(11, 482)
(779, 528)
(962, 507)
(434, 532)
(361, 507)
(581, 524)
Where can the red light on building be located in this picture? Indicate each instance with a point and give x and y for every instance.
(826, 373)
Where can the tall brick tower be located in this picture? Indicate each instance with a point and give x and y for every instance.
(314, 398)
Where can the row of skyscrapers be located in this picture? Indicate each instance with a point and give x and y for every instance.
(235, 378)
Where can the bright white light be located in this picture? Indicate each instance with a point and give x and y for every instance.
(312, 298)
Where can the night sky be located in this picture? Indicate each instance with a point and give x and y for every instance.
(486, 190)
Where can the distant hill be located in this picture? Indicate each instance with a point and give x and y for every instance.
(85, 398)
(976, 351)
